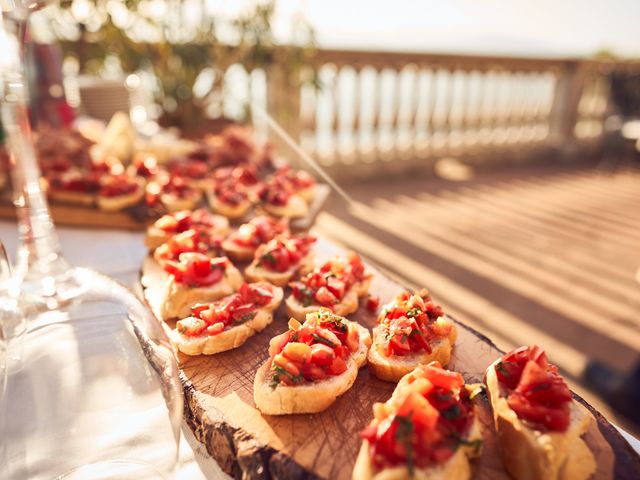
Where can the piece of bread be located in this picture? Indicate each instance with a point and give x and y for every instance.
(232, 337)
(229, 211)
(256, 273)
(311, 397)
(307, 193)
(530, 454)
(120, 202)
(296, 207)
(393, 368)
(72, 197)
(348, 305)
(457, 467)
(179, 297)
(175, 203)
(237, 252)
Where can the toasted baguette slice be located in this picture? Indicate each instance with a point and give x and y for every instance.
(174, 203)
(180, 297)
(296, 207)
(529, 454)
(307, 193)
(120, 202)
(309, 397)
(71, 197)
(229, 211)
(457, 467)
(393, 368)
(255, 273)
(237, 252)
(232, 337)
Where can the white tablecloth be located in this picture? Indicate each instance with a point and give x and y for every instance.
(120, 254)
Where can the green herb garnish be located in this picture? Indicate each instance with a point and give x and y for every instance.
(326, 341)
(279, 372)
(452, 413)
(404, 436)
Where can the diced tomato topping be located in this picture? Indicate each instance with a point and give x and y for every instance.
(410, 322)
(327, 284)
(259, 230)
(423, 424)
(235, 309)
(185, 242)
(231, 193)
(318, 348)
(282, 254)
(537, 392)
(373, 301)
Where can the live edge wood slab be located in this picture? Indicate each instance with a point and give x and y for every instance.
(220, 410)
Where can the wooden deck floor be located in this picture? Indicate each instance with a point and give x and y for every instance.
(545, 255)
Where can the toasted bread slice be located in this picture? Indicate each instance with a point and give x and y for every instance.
(120, 202)
(255, 273)
(530, 454)
(232, 337)
(309, 397)
(229, 211)
(393, 368)
(457, 467)
(180, 297)
(237, 252)
(174, 203)
(296, 207)
(155, 237)
(71, 197)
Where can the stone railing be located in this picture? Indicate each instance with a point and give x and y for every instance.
(376, 113)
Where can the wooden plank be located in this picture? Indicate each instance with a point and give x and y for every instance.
(220, 409)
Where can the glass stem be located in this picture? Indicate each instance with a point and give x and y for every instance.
(39, 254)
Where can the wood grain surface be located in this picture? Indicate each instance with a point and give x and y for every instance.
(138, 218)
(219, 406)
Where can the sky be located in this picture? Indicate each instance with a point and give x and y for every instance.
(518, 27)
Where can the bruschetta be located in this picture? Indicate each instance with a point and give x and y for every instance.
(337, 284)
(74, 187)
(176, 194)
(143, 165)
(229, 199)
(227, 323)
(301, 182)
(277, 198)
(428, 429)
(197, 278)
(242, 244)
(310, 364)
(177, 222)
(191, 240)
(278, 260)
(194, 172)
(118, 192)
(538, 422)
(410, 330)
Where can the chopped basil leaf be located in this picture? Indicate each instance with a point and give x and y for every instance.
(326, 341)
(500, 368)
(246, 317)
(279, 372)
(404, 435)
(452, 413)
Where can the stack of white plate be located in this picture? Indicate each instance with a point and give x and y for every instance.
(102, 98)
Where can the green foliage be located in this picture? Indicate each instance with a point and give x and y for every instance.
(176, 53)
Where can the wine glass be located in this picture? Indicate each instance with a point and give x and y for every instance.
(91, 380)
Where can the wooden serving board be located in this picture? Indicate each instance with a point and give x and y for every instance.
(138, 219)
(219, 406)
